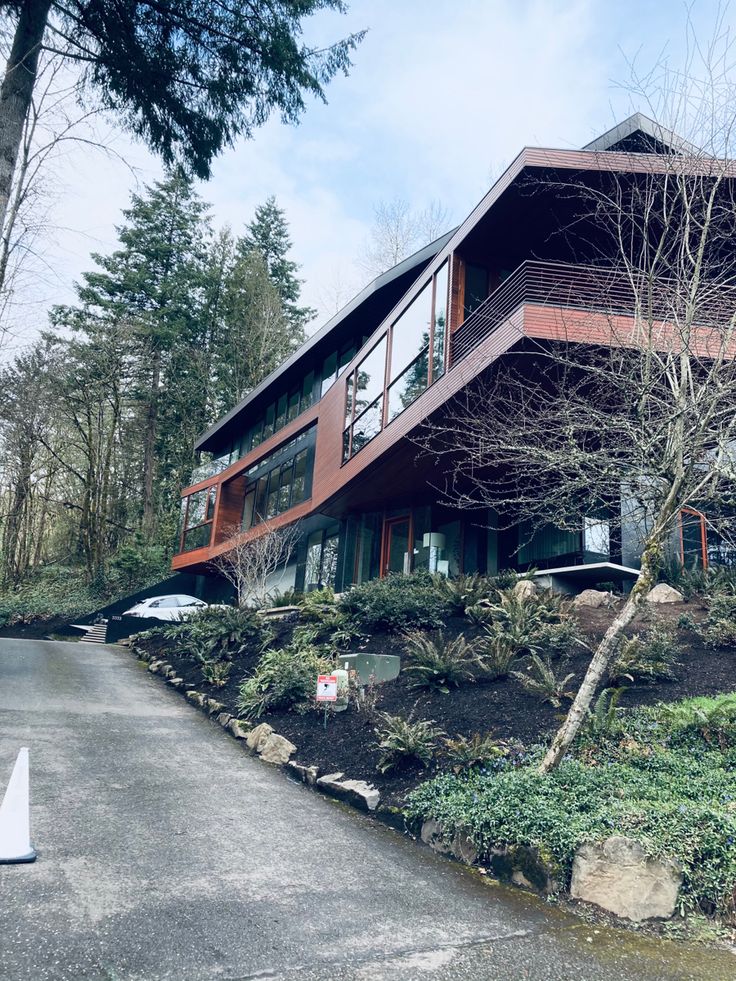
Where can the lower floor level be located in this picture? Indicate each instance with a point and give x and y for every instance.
(367, 545)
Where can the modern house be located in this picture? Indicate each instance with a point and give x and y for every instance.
(326, 440)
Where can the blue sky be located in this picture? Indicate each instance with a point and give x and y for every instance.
(443, 94)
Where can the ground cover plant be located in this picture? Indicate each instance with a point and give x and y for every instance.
(665, 776)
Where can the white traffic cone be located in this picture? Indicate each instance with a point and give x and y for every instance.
(15, 822)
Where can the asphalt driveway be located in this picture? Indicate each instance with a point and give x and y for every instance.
(166, 853)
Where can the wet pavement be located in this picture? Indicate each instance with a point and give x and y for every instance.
(166, 853)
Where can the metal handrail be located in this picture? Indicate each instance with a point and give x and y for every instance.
(592, 288)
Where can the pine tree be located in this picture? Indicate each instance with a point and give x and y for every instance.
(268, 234)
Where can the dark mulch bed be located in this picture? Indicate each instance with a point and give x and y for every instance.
(504, 708)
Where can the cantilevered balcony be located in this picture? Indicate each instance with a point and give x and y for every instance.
(597, 289)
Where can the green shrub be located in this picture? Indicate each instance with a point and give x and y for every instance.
(562, 639)
(468, 752)
(217, 673)
(218, 633)
(542, 680)
(648, 657)
(464, 591)
(438, 662)
(403, 741)
(719, 626)
(284, 678)
(694, 722)
(397, 603)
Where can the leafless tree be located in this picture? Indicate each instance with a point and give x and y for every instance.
(398, 230)
(255, 567)
(53, 125)
(630, 411)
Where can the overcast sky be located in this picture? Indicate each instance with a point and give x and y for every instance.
(443, 94)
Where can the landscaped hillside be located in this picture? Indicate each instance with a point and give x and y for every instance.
(488, 668)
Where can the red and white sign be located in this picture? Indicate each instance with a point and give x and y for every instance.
(327, 688)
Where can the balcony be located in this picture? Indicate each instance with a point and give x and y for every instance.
(597, 289)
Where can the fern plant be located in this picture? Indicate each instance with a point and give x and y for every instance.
(542, 680)
(602, 718)
(216, 673)
(645, 657)
(438, 662)
(468, 752)
(497, 653)
(402, 741)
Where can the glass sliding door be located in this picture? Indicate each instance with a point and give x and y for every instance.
(397, 540)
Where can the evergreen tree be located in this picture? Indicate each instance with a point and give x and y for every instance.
(188, 76)
(268, 234)
(149, 293)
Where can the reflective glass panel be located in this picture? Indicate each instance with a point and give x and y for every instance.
(197, 505)
(293, 410)
(370, 376)
(440, 322)
(211, 504)
(285, 486)
(410, 333)
(261, 497)
(406, 388)
(307, 391)
(281, 413)
(329, 371)
(298, 492)
(248, 508)
(368, 425)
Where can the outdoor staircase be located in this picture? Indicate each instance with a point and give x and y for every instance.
(96, 634)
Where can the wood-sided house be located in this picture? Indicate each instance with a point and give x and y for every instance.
(326, 440)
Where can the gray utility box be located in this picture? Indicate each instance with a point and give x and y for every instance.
(380, 667)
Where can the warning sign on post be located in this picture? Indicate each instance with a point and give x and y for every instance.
(327, 688)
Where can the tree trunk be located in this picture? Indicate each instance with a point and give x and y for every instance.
(602, 658)
(17, 90)
(149, 446)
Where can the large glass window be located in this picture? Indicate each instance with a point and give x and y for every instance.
(370, 376)
(199, 509)
(476, 287)
(441, 290)
(410, 333)
(368, 424)
(280, 481)
(408, 385)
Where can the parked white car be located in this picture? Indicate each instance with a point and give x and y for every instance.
(177, 606)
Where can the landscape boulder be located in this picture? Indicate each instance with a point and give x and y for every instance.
(525, 866)
(224, 719)
(593, 598)
(276, 749)
(238, 728)
(258, 736)
(617, 875)
(356, 792)
(662, 593)
(460, 846)
(525, 589)
(307, 774)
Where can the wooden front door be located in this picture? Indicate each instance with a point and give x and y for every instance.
(396, 545)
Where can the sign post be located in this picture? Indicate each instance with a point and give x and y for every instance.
(326, 690)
